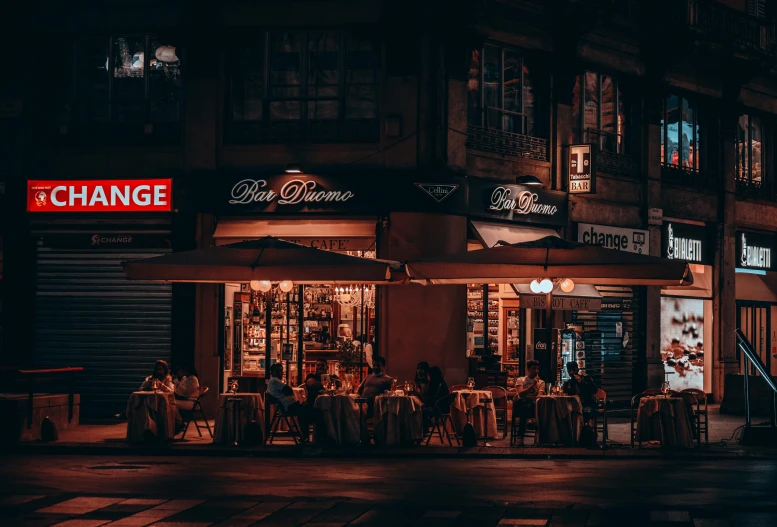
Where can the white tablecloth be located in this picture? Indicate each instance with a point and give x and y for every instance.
(665, 419)
(468, 403)
(251, 409)
(398, 420)
(154, 412)
(341, 417)
(559, 419)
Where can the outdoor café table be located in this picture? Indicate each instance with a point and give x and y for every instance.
(251, 409)
(154, 412)
(665, 419)
(341, 417)
(559, 419)
(398, 419)
(469, 405)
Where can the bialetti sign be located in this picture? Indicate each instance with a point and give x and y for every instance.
(756, 250)
(582, 171)
(517, 203)
(120, 195)
(627, 240)
(437, 192)
(294, 192)
(682, 241)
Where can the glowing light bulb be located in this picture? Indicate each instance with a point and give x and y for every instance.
(265, 285)
(546, 286)
(255, 285)
(567, 285)
(286, 286)
(535, 286)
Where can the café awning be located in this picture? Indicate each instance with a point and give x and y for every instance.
(489, 234)
(549, 257)
(267, 258)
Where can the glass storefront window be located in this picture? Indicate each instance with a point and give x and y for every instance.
(680, 137)
(682, 341)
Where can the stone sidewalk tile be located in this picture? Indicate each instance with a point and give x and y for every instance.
(81, 523)
(178, 505)
(142, 501)
(710, 522)
(80, 505)
(568, 518)
(442, 514)
(287, 517)
(17, 500)
(753, 519)
(670, 516)
(342, 512)
(523, 521)
(232, 522)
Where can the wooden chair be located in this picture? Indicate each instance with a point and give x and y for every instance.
(600, 416)
(499, 395)
(191, 415)
(279, 415)
(457, 387)
(702, 416)
(441, 421)
(514, 428)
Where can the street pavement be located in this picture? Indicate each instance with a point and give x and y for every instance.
(91, 491)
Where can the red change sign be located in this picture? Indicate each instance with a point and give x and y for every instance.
(114, 195)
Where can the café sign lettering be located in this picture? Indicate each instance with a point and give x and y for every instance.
(524, 202)
(137, 195)
(293, 192)
(561, 303)
(520, 203)
(754, 250)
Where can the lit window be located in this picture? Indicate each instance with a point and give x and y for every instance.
(603, 120)
(749, 152)
(680, 134)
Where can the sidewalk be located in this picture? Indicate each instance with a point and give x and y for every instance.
(109, 439)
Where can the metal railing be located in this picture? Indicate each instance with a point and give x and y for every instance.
(507, 143)
(755, 189)
(755, 361)
(732, 26)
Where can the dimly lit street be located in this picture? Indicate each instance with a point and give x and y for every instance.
(207, 491)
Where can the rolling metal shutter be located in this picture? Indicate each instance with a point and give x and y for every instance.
(612, 365)
(88, 314)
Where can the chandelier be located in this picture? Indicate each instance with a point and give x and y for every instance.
(356, 296)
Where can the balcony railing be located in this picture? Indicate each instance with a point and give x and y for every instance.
(732, 26)
(310, 131)
(687, 177)
(617, 164)
(755, 189)
(507, 143)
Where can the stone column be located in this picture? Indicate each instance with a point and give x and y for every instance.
(651, 164)
(724, 274)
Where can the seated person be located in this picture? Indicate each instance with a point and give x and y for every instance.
(313, 384)
(529, 387)
(421, 382)
(436, 390)
(284, 396)
(582, 386)
(187, 387)
(375, 384)
(160, 380)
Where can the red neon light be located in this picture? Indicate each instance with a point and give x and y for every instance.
(112, 195)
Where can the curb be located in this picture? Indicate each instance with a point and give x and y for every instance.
(291, 451)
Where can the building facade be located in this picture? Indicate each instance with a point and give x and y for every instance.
(418, 106)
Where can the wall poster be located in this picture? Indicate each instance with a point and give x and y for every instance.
(682, 341)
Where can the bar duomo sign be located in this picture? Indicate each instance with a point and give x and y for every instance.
(517, 203)
(756, 250)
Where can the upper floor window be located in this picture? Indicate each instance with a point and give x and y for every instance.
(125, 79)
(756, 8)
(749, 152)
(290, 85)
(603, 119)
(500, 92)
(680, 134)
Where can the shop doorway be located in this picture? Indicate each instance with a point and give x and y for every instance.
(754, 319)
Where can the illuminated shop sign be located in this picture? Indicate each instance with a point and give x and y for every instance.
(682, 241)
(582, 169)
(627, 240)
(755, 250)
(517, 203)
(136, 195)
